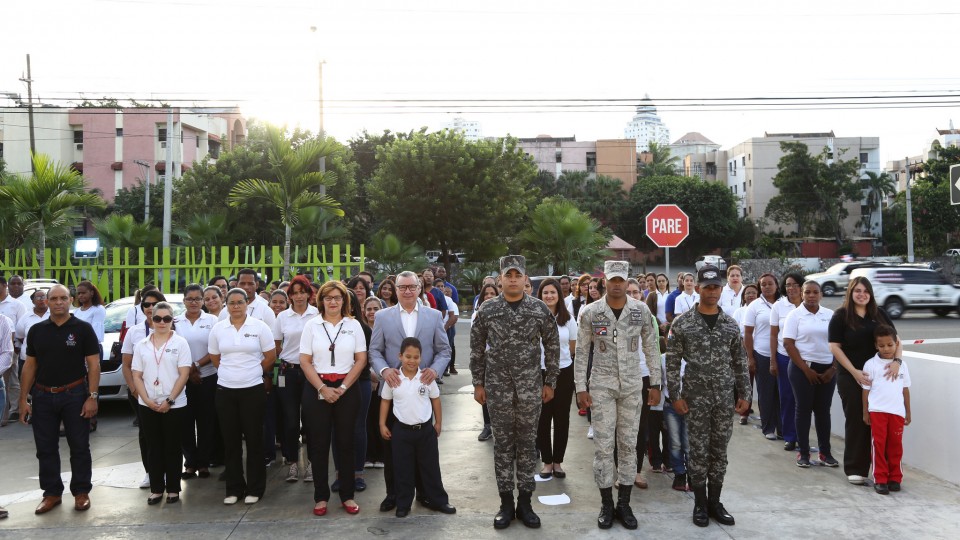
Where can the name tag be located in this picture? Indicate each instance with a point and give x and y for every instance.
(636, 317)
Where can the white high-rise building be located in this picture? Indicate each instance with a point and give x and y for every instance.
(647, 126)
(470, 128)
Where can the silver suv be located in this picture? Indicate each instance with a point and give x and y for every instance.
(834, 280)
(898, 289)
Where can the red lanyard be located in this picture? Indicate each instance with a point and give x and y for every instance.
(158, 359)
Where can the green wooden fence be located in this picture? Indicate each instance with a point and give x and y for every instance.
(117, 272)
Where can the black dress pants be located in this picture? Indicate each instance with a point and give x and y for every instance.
(241, 411)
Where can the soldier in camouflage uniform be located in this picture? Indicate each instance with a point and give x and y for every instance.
(716, 372)
(623, 334)
(507, 378)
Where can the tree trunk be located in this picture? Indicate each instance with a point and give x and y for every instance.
(287, 233)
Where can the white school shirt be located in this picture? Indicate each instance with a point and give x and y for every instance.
(662, 307)
(316, 342)
(685, 302)
(809, 330)
(729, 300)
(23, 329)
(135, 316)
(241, 351)
(411, 400)
(288, 329)
(174, 354)
(568, 333)
(94, 315)
(778, 314)
(757, 315)
(885, 395)
(198, 337)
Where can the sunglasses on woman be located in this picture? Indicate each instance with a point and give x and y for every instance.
(165, 319)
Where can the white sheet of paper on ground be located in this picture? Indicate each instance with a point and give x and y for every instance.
(468, 389)
(539, 478)
(554, 500)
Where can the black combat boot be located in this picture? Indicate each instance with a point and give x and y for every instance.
(623, 512)
(525, 511)
(715, 508)
(605, 519)
(507, 512)
(700, 516)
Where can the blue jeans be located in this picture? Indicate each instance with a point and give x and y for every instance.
(679, 447)
(816, 399)
(49, 410)
(788, 406)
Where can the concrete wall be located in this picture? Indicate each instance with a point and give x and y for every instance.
(52, 135)
(617, 158)
(930, 442)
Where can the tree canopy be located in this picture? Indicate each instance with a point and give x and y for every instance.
(560, 235)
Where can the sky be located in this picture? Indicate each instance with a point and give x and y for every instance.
(512, 65)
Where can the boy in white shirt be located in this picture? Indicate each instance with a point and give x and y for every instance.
(886, 409)
(414, 439)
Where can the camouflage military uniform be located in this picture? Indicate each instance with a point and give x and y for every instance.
(716, 368)
(509, 371)
(615, 382)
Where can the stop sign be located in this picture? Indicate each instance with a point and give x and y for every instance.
(667, 225)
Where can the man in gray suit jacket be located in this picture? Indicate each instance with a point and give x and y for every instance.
(392, 325)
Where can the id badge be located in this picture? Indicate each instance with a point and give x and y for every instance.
(158, 394)
(282, 381)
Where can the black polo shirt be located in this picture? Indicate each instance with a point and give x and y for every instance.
(61, 351)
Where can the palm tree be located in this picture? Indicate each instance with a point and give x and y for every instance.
(878, 187)
(393, 255)
(661, 162)
(204, 230)
(295, 183)
(48, 198)
(559, 234)
(318, 226)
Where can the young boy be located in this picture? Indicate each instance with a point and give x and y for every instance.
(886, 408)
(414, 442)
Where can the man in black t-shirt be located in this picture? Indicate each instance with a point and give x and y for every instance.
(60, 380)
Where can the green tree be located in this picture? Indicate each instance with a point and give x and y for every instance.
(47, 199)
(937, 169)
(546, 182)
(318, 226)
(604, 199)
(393, 255)
(935, 220)
(125, 231)
(878, 187)
(204, 230)
(571, 185)
(293, 183)
(130, 200)
(560, 235)
(439, 190)
(662, 163)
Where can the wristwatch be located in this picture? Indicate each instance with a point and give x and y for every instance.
(171, 402)
(94, 395)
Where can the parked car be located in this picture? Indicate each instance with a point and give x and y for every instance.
(432, 255)
(899, 288)
(955, 252)
(835, 279)
(112, 384)
(715, 260)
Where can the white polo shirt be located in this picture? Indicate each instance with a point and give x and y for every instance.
(132, 336)
(197, 335)
(757, 315)
(729, 300)
(23, 328)
(288, 328)
(886, 396)
(260, 309)
(162, 364)
(241, 351)
(347, 337)
(135, 316)
(411, 400)
(809, 330)
(685, 302)
(778, 314)
(568, 333)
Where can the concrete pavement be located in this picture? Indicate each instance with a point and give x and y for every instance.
(769, 496)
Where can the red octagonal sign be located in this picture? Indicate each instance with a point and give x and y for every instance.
(667, 225)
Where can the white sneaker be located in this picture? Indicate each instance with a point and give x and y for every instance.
(231, 500)
(145, 483)
(856, 480)
(590, 432)
(377, 464)
(770, 436)
(308, 474)
(367, 464)
(294, 473)
(251, 499)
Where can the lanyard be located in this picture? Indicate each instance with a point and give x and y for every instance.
(158, 359)
(333, 342)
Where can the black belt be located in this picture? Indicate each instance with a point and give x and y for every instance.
(413, 427)
(288, 365)
(59, 389)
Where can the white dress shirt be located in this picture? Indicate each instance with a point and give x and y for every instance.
(410, 405)
(409, 320)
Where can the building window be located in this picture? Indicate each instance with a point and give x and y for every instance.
(1, 150)
(591, 162)
(863, 157)
(559, 156)
(198, 141)
(214, 149)
(744, 161)
(744, 187)
(119, 132)
(162, 134)
(78, 136)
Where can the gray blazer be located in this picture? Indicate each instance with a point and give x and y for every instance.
(388, 333)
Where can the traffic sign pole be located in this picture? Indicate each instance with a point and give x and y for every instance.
(667, 226)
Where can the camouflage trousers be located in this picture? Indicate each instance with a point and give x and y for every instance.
(514, 415)
(615, 417)
(709, 428)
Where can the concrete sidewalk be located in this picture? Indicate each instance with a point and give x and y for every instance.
(768, 495)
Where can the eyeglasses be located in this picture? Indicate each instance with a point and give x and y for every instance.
(145, 305)
(402, 288)
(193, 299)
(237, 304)
(166, 319)
(333, 299)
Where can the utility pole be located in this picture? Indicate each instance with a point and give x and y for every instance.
(168, 180)
(33, 142)
(909, 214)
(145, 169)
(322, 134)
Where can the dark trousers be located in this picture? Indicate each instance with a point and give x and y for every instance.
(816, 399)
(556, 412)
(857, 435)
(374, 442)
(486, 414)
(199, 423)
(290, 396)
(321, 419)
(359, 429)
(163, 432)
(141, 438)
(240, 412)
(49, 410)
(657, 439)
(768, 396)
(272, 405)
(644, 418)
(788, 405)
(415, 451)
(388, 474)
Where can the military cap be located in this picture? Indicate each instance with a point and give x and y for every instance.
(516, 262)
(616, 269)
(709, 275)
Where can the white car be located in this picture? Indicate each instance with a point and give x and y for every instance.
(112, 384)
(835, 279)
(955, 252)
(715, 260)
(899, 288)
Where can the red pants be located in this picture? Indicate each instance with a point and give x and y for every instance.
(887, 450)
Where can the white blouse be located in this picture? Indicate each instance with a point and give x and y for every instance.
(197, 335)
(288, 328)
(568, 333)
(809, 331)
(241, 351)
(346, 336)
(160, 367)
(778, 314)
(685, 302)
(757, 315)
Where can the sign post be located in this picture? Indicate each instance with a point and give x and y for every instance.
(667, 226)
(955, 184)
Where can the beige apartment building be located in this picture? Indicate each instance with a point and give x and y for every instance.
(616, 158)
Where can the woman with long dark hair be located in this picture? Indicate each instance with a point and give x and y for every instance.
(852, 344)
(581, 294)
(200, 414)
(790, 299)
(756, 343)
(387, 293)
(557, 410)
